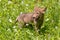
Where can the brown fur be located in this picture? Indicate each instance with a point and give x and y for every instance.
(37, 17)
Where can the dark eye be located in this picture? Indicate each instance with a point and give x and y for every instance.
(37, 13)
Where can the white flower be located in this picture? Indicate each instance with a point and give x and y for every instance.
(33, 0)
(15, 30)
(4, 8)
(49, 35)
(14, 26)
(27, 5)
(59, 21)
(18, 5)
(52, 21)
(42, 26)
(29, 32)
(45, 39)
(0, 0)
(10, 20)
(8, 29)
(9, 2)
(13, 9)
(58, 38)
(22, 2)
(47, 19)
(20, 12)
(56, 27)
(27, 24)
(0, 21)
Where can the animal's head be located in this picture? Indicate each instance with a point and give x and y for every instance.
(38, 12)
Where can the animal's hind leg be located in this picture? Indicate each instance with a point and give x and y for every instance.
(21, 24)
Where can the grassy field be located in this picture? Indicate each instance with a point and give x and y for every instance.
(9, 10)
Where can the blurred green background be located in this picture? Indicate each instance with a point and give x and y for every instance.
(10, 9)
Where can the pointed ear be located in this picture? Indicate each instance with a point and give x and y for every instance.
(36, 8)
(44, 9)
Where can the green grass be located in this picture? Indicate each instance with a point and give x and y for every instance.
(9, 10)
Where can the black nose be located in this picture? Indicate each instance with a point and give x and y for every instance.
(33, 17)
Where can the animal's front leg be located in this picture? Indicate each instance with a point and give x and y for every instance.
(35, 26)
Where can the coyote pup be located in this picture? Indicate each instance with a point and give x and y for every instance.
(36, 17)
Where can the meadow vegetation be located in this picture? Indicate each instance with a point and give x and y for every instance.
(10, 9)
